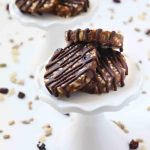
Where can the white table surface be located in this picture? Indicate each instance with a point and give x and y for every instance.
(25, 137)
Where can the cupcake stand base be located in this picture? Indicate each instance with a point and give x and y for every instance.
(89, 129)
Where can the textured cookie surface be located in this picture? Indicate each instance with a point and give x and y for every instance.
(104, 38)
(70, 69)
(37, 6)
(65, 8)
(111, 72)
(69, 8)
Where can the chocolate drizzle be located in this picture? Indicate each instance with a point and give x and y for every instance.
(69, 65)
(58, 7)
(36, 6)
(110, 62)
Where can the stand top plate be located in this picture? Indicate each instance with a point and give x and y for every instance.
(92, 104)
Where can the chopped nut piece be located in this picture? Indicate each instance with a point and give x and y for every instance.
(121, 126)
(142, 16)
(139, 140)
(30, 105)
(20, 82)
(48, 131)
(148, 108)
(2, 98)
(46, 126)
(12, 122)
(42, 139)
(11, 92)
(13, 77)
(6, 136)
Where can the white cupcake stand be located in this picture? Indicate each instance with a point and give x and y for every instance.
(54, 26)
(90, 130)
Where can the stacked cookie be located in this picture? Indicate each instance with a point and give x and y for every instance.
(64, 8)
(90, 63)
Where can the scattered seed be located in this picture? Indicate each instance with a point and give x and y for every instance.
(20, 82)
(137, 29)
(67, 114)
(140, 61)
(140, 40)
(13, 77)
(46, 126)
(3, 65)
(37, 98)
(41, 146)
(11, 40)
(31, 119)
(2, 98)
(148, 32)
(1, 131)
(121, 126)
(133, 144)
(142, 16)
(4, 90)
(31, 76)
(144, 92)
(7, 7)
(6, 136)
(143, 147)
(140, 140)
(30, 39)
(30, 105)
(117, 1)
(148, 108)
(12, 122)
(21, 95)
(130, 19)
(27, 121)
(11, 92)
(48, 131)
(42, 139)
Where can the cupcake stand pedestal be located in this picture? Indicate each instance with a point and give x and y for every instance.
(54, 27)
(90, 130)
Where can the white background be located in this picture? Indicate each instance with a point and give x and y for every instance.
(25, 137)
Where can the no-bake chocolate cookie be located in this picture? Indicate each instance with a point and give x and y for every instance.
(89, 64)
(70, 69)
(104, 38)
(111, 72)
(37, 6)
(65, 8)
